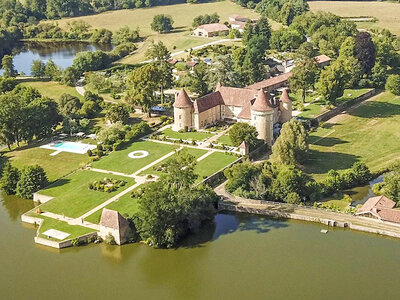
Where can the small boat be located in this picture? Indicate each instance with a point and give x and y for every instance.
(324, 231)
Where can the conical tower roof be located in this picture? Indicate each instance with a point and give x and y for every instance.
(262, 102)
(285, 96)
(182, 100)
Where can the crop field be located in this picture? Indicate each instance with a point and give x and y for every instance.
(387, 13)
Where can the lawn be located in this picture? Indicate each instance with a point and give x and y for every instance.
(120, 162)
(195, 136)
(52, 89)
(55, 166)
(213, 163)
(124, 205)
(192, 151)
(225, 140)
(182, 14)
(369, 133)
(72, 196)
(388, 13)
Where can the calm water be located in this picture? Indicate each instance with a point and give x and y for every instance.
(61, 53)
(240, 257)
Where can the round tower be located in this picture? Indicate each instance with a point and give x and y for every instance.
(262, 117)
(285, 106)
(183, 110)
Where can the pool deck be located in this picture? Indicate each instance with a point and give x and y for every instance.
(78, 148)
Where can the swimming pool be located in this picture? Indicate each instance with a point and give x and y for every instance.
(73, 147)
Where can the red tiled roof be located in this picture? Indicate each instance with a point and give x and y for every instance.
(191, 63)
(236, 96)
(112, 219)
(285, 96)
(322, 58)
(213, 27)
(208, 101)
(182, 100)
(244, 145)
(241, 25)
(270, 81)
(246, 111)
(172, 61)
(390, 215)
(262, 102)
(376, 202)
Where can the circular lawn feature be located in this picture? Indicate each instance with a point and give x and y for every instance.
(138, 154)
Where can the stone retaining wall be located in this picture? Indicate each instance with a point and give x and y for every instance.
(337, 110)
(41, 198)
(219, 176)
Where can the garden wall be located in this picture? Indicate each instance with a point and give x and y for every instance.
(219, 177)
(41, 198)
(337, 110)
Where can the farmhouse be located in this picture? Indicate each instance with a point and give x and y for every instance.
(381, 208)
(239, 22)
(210, 30)
(256, 107)
(113, 223)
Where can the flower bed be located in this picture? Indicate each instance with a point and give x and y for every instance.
(107, 185)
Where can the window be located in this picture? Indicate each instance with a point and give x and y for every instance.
(180, 117)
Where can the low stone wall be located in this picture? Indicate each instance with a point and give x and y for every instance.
(41, 198)
(337, 110)
(219, 177)
(376, 231)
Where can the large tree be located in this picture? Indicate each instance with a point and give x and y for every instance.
(291, 147)
(223, 72)
(141, 87)
(304, 76)
(243, 132)
(365, 51)
(8, 66)
(162, 23)
(9, 179)
(33, 179)
(332, 81)
(174, 206)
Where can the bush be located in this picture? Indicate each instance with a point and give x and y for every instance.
(9, 179)
(393, 84)
(110, 239)
(33, 179)
(89, 153)
(293, 198)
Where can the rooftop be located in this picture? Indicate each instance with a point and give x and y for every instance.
(112, 219)
(214, 27)
(182, 100)
(270, 82)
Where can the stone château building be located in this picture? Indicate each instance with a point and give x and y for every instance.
(254, 106)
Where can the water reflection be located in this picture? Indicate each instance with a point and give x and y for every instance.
(15, 206)
(62, 53)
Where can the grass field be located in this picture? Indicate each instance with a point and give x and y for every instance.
(72, 196)
(52, 89)
(120, 162)
(182, 14)
(225, 140)
(213, 163)
(369, 133)
(55, 166)
(387, 13)
(195, 136)
(192, 151)
(50, 223)
(124, 205)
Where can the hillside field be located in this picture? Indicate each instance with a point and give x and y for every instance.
(182, 14)
(387, 13)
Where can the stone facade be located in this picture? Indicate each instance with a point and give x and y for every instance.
(253, 106)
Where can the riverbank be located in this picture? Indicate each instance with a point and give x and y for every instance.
(231, 203)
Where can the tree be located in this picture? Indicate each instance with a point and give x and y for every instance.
(162, 23)
(199, 79)
(110, 135)
(38, 68)
(125, 35)
(223, 72)
(160, 55)
(205, 19)
(364, 51)
(8, 66)
(291, 147)
(332, 81)
(9, 179)
(101, 36)
(141, 87)
(117, 113)
(174, 206)
(393, 84)
(69, 106)
(70, 76)
(304, 76)
(243, 132)
(33, 179)
(53, 71)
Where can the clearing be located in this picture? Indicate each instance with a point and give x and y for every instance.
(387, 13)
(368, 133)
(194, 136)
(51, 89)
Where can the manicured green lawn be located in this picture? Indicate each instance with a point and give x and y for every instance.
(312, 110)
(195, 136)
(72, 196)
(225, 140)
(213, 163)
(125, 205)
(50, 223)
(52, 89)
(55, 166)
(350, 94)
(192, 151)
(119, 161)
(369, 133)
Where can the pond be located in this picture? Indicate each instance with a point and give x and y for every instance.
(62, 53)
(238, 257)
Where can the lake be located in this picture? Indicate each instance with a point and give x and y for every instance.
(239, 257)
(62, 53)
